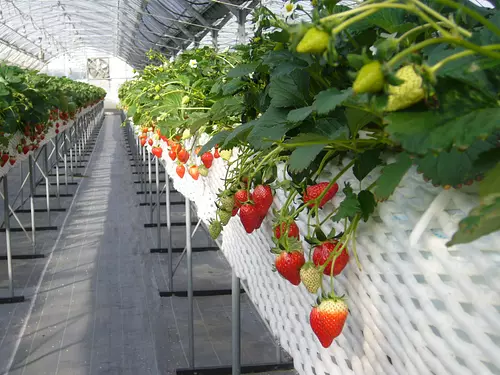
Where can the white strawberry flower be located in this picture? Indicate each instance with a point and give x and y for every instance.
(193, 63)
(289, 8)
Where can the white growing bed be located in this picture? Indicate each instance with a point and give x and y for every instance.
(416, 307)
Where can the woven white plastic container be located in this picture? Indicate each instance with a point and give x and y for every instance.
(416, 307)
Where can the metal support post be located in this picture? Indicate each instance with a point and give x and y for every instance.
(169, 234)
(46, 158)
(150, 188)
(190, 284)
(236, 323)
(58, 187)
(143, 173)
(215, 39)
(21, 173)
(158, 209)
(65, 160)
(7, 233)
(32, 201)
(242, 15)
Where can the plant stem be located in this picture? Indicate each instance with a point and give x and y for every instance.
(429, 42)
(473, 14)
(334, 17)
(459, 55)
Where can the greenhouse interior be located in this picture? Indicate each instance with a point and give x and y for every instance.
(211, 187)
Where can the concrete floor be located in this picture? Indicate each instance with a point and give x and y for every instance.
(92, 304)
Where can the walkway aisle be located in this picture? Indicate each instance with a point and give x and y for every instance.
(93, 313)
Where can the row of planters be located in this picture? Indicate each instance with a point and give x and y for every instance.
(375, 90)
(35, 107)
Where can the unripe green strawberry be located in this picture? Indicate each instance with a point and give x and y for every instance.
(408, 93)
(313, 41)
(369, 79)
(224, 216)
(214, 229)
(310, 277)
(203, 170)
(226, 202)
(225, 154)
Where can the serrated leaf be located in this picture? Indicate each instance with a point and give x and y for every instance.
(290, 90)
(239, 131)
(327, 100)
(216, 139)
(482, 220)
(230, 106)
(365, 163)
(391, 176)
(242, 70)
(232, 86)
(491, 183)
(357, 119)
(367, 203)
(303, 156)
(271, 126)
(453, 167)
(299, 114)
(349, 207)
(419, 132)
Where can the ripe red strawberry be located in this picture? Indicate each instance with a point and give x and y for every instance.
(322, 252)
(249, 217)
(234, 211)
(193, 171)
(263, 198)
(314, 191)
(157, 151)
(293, 230)
(288, 264)
(207, 159)
(172, 155)
(183, 156)
(240, 197)
(26, 149)
(12, 160)
(176, 147)
(216, 153)
(150, 142)
(5, 158)
(143, 142)
(328, 318)
(180, 170)
(57, 131)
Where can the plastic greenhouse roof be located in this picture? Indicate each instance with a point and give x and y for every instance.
(32, 32)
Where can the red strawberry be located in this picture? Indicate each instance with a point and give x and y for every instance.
(57, 131)
(314, 191)
(207, 158)
(293, 230)
(193, 171)
(234, 211)
(176, 147)
(323, 251)
(216, 153)
(240, 197)
(183, 156)
(26, 149)
(197, 150)
(172, 155)
(5, 158)
(263, 198)
(249, 217)
(157, 151)
(288, 264)
(180, 170)
(164, 139)
(328, 318)
(143, 142)
(150, 142)
(12, 160)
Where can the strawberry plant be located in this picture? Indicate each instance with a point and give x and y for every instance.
(379, 89)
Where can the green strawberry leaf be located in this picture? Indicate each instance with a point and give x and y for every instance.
(290, 90)
(491, 183)
(367, 203)
(349, 207)
(216, 139)
(242, 70)
(366, 162)
(391, 176)
(300, 114)
(271, 126)
(482, 220)
(453, 167)
(303, 156)
(358, 118)
(327, 100)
